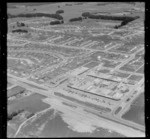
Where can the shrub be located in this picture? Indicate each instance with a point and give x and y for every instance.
(20, 24)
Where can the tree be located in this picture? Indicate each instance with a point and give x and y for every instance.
(59, 11)
(86, 14)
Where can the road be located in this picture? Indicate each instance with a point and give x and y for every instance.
(132, 128)
(49, 93)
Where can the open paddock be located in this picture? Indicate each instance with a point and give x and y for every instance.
(136, 112)
(28, 103)
(15, 90)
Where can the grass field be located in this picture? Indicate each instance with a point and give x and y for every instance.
(32, 103)
(137, 111)
(15, 90)
(73, 10)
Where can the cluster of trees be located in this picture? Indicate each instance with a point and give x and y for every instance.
(86, 14)
(19, 31)
(13, 114)
(20, 24)
(56, 22)
(76, 19)
(59, 11)
(30, 15)
(106, 17)
(125, 19)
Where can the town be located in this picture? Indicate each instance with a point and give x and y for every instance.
(95, 64)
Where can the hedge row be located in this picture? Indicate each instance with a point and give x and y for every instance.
(125, 19)
(76, 19)
(30, 15)
(19, 31)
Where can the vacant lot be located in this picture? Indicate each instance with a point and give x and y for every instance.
(32, 103)
(137, 111)
(15, 90)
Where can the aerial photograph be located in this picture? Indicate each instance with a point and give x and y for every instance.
(75, 69)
